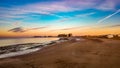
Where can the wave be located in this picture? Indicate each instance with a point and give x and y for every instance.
(18, 53)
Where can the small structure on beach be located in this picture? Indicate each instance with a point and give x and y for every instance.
(119, 35)
(110, 36)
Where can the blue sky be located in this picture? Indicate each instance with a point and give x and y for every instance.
(58, 14)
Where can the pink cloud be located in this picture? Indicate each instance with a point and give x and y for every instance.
(51, 8)
(107, 5)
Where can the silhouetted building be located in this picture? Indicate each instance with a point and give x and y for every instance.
(65, 35)
(69, 35)
(62, 35)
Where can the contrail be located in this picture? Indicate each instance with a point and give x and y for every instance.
(91, 24)
(108, 16)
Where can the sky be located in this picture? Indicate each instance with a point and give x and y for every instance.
(20, 18)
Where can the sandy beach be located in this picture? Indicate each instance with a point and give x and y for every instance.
(85, 53)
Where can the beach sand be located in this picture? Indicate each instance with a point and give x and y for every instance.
(88, 53)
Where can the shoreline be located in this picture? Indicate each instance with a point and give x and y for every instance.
(21, 49)
(26, 48)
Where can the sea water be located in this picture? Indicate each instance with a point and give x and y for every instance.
(14, 41)
(21, 42)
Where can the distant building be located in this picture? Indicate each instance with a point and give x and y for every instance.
(69, 35)
(65, 35)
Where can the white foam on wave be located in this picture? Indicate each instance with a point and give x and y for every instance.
(19, 53)
(25, 50)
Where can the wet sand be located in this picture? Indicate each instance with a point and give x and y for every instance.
(88, 53)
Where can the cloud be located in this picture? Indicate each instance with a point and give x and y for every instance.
(53, 7)
(84, 15)
(20, 29)
(39, 8)
(77, 16)
(10, 22)
(107, 26)
(17, 29)
(107, 5)
(109, 16)
(4, 22)
(36, 28)
(118, 25)
(70, 28)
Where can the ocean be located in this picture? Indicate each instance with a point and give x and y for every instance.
(14, 41)
(20, 46)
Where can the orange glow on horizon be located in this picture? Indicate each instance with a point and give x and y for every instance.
(76, 32)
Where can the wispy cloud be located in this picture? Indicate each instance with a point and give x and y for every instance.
(76, 16)
(109, 16)
(69, 28)
(20, 29)
(72, 28)
(4, 22)
(51, 8)
(117, 25)
(86, 14)
(37, 28)
(17, 29)
(108, 5)
(10, 22)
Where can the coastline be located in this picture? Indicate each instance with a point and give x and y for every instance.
(21, 49)
(84, 53)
